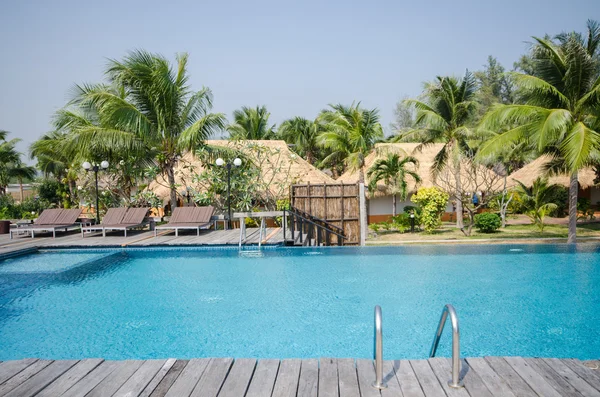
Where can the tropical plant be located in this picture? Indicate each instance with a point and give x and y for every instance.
(302, 133)
(148, 111)
(560, 115)
(350, 134)
(487, 222)
(432, 202)
(443, 117)
(8, 157)
(251, 123)
(538, 200)
(393, 171)
(21, 172)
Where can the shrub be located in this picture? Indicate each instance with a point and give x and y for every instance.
(487, 222)
(433, 203)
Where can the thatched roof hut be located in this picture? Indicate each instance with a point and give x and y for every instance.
(425, 156)
(279, 166)
(537, 168)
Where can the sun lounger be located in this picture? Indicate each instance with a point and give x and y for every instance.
(194, 218)
(51, 220)
(114, 216)
(133, 218)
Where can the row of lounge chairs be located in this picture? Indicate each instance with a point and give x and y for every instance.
(194, 218)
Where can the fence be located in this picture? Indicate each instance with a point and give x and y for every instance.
(338, 204)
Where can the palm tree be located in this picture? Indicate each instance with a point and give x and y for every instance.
(443, 118)
(147, 108)
(302, 133)
(560, 114)
(251, 123)
(8, 156)
(538, 198)
(392, 170)
(350, 134)
(21, 172)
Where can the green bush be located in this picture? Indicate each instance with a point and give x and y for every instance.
(487, 222)
(433, 202)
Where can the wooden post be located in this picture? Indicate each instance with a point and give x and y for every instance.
(309, 198)
(362, 213)
(342, 213)
(325, 201)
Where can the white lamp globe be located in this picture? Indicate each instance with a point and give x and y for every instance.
(104, 164)
(220, 162)
(237, 162)
(86, 165)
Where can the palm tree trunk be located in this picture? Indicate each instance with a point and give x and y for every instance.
(171, 179)
(458, 194)
(573, 190)
(21, 189)
(394, 205)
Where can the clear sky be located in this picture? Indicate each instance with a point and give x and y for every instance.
(294, 57)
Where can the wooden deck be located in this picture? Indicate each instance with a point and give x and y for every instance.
(139, 238)
(327, 377)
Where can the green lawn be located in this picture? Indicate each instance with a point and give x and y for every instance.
(450, 232)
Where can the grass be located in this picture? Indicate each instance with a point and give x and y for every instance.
(450, 232)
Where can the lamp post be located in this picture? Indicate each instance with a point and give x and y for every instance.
(237, 162)
(412, 222)
(87, 166)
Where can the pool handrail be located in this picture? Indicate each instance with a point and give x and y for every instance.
(449, 311)
(378, 383)
(304, 221)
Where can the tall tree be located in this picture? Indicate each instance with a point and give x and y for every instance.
(393, 171)
(251, 123)
(350, 134)
(443, 117)
(495, 86)
(560, 115)
(148, 108)
(302, 133)
(21, 172)
(8, 157)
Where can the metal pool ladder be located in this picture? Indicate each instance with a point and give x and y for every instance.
(449, 311)
(379, 383)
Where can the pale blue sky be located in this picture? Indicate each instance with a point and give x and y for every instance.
(293, 57)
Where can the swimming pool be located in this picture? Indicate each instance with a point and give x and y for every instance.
(528, 300)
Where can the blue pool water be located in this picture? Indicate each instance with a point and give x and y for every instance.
(115, 304)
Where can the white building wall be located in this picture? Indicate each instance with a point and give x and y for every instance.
(383, 205)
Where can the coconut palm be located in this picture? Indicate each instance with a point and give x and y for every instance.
(251, 123)
(350, 133)
(393, 171)
(148, 107)
(538, 199)
(302, 133)
(443, 117)
(560, 115)
(21, 172)
(8, 157)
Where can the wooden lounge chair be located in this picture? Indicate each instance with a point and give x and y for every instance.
(114, 216)
(194, 218)
(133, 218)
(51, 220)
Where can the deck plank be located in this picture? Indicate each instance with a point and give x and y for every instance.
(328, 378)
(263, 379)
(586, 373)
(239, 377)
(22, 376)
(473, 382)
(70, 378)
(286, 384)
(389, 377)
(443, 371)
(188, 378)
(37, 382)
(165, 384)
(512, 378)
(140, 378)
(570, 376)
(552, 378)
(408, 380)
(532, 377)
(429, 382)
(8, 369)
(213, 377)
(490, 378)
(109, 385)
(366, 376)
(91, 380)
(308, 385)
(347, 378)
(157, 379)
